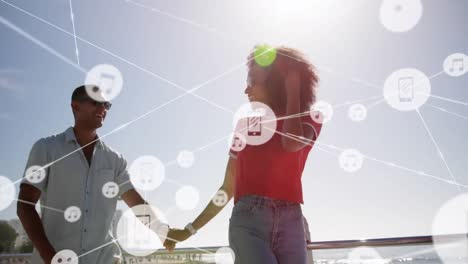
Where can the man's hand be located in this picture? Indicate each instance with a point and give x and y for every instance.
(174, 236)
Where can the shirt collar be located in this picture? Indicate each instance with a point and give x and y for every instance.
(70, 136)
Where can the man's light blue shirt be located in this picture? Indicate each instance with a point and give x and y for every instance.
(71, 181)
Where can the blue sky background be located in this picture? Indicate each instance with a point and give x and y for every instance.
(353, 52)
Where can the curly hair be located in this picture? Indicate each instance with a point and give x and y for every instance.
(287, 59)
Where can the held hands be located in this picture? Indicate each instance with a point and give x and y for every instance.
(174, 236)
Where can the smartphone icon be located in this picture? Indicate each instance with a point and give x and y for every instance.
(141, 236)
(254, 126)
(406, 89)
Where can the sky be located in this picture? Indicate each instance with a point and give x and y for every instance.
(163, 48)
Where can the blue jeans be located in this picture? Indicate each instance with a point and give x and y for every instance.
(267, 231)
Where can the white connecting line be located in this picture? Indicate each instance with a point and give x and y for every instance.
(238, 41)
(448, 112)
(191, 91)
(312, 142)
(40, 44)
(72, 17)
(188, 91)
(122, 237)
(441, 155)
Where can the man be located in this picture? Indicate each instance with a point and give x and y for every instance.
(77, 166)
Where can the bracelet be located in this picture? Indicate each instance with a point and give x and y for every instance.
(190, 228)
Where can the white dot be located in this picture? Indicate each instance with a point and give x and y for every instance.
(351, 160)
(110, 190)
(256, 122)
(456, 64)
(72, 214)
(35, 174)
(109, 80)
(237, 141)
(407, 89)
(147, 173)
(400, 15)
(7, 192)
(187, 198)
(220, 198)
(225, 255)
(142, 230)
(452, 218)
(65, 256)
(185, 159)
(321, 112)
(357, 112)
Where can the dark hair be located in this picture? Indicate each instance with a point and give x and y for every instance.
(80, 94)
(287, 59)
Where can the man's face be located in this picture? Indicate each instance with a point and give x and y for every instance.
(90, 113)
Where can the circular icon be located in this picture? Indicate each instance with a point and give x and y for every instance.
(142, 230)
(225, 255)
(65, 256)
(147, 173)
(187, 198)
(456, 64)
(450, 220)
(7, 192)
(265, 55)
(321, 112)
(108, 80)
(237, 142)
(400, 15)
(407, 89)
(357, 112)
(110, 190)
(365, 255)
(185, 159)
(72, 214)
(351, 160)
(35, 174)
(256, 122)
(220, 198)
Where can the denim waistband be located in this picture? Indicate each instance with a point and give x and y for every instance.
(261, 201)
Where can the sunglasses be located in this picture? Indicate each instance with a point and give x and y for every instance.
(106, 105)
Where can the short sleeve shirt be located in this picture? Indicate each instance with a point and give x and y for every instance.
(71, 181)
(270, 171)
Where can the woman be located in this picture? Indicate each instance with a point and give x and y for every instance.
(266, 225)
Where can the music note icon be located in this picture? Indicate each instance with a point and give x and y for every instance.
(220, 199)
(457, 62)
(351, 160)
(238, 142)
(147, 171)
(110, 189)
(72, 214)
(106, 82)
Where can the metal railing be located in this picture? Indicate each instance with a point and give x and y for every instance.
(321, 245)
(382, 242)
